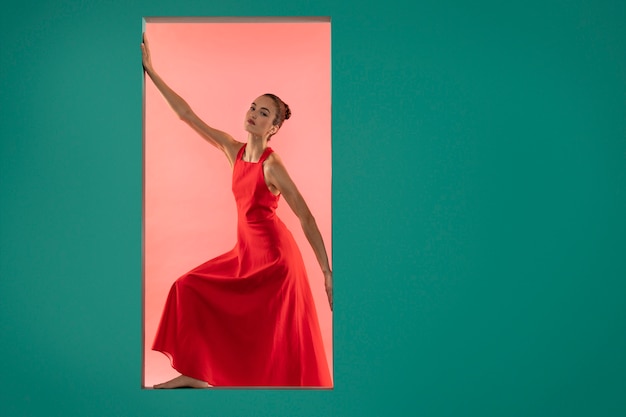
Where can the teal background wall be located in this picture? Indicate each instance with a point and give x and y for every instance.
(479, 174)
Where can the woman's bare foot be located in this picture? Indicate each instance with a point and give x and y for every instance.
(182, 381)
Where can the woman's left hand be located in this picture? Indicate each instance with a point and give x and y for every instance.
(145, 54)
(328, 283)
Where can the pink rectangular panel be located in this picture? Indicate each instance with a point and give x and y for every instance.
(219, 66)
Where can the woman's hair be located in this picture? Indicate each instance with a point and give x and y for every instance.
(282, 110)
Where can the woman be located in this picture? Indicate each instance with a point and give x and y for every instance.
(247, 318)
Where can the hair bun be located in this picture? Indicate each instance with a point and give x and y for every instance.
(282, 109)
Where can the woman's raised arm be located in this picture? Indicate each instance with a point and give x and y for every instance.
(217, 138)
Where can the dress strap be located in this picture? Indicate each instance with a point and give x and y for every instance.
(241, 150)
(263, 157)
(267, 152)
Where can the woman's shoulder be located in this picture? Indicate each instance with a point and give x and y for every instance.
(234, 149)
(273, 158)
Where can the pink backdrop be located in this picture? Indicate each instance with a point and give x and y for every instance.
(189, 211)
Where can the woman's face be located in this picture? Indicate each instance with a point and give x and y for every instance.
(260, 117)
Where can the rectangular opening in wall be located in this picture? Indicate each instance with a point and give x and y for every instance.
(221, 67)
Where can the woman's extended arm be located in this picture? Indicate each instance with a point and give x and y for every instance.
(217, 138)
(278, 180)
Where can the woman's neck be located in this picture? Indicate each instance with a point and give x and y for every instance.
(255, 148)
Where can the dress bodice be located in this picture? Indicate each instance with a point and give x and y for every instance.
(255, 202)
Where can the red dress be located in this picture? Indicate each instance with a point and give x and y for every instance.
(247, 318)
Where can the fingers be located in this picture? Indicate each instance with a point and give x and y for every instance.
(145, 53)
(329, 293)
(144, 44)
(329, 287)
(145, 41)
